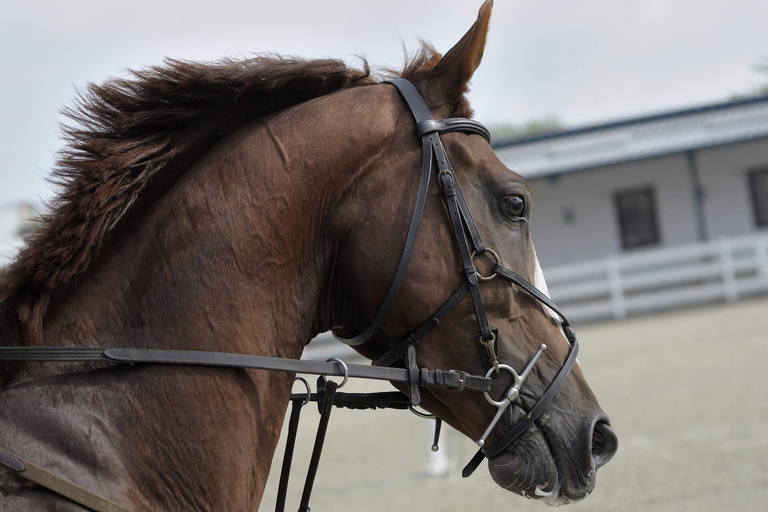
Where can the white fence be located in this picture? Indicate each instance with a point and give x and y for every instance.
(652, 280)
(620, 286)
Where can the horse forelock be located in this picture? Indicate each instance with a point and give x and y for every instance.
(127, 131)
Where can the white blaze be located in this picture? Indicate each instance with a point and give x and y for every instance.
(540, 283)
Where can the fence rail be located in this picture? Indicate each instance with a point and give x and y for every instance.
(620, 286)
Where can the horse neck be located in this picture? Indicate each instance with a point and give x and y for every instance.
(240, 251)
(223, 261)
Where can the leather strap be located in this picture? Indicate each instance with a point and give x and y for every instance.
(453, 124)
(428, 129)
(362, 401)
(290, 445)
(452, 380)
(57, 484)
(416, 336)
(516, 431)
(551, 391)
(513, 277)
(317, 451)
(421, 113)
(450, 196)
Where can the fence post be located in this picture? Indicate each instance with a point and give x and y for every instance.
(618, 305)
(761, 255)
(726, 267)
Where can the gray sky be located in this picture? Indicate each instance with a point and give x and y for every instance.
(584, 61)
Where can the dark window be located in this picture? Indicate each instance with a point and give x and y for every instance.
(758, 184)
(637, 217)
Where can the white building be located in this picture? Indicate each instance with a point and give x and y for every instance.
(651, 212)
(658, 181)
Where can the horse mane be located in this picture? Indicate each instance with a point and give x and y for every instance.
(127, 131)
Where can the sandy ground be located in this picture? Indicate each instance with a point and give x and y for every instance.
(687, 394)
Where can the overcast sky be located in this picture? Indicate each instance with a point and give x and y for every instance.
(584, 62)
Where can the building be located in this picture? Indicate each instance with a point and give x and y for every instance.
(683, 187)
(650, 182)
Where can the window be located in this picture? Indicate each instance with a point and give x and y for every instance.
(758, 184)
(636, 210)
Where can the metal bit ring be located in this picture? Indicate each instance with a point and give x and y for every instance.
(503, 401)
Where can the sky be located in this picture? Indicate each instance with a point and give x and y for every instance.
(584, 62)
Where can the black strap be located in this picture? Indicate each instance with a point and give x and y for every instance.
(362, 401)
(427, 378)
(421, 112)
(453, 124)
(514, 277)
(451, 197)
(416, 336)
(290, 444)
(428, 129)
(317, 451)
(551, 391)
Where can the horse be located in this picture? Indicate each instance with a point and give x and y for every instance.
(246, 206)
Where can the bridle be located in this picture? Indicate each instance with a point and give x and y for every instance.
(463, 227)
(469, 245)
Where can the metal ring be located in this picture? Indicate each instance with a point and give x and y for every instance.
(420, 414)
(344, 367)
(495, 258)
(309, 390)
(515, 376)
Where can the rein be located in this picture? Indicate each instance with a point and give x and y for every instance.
(469, 245)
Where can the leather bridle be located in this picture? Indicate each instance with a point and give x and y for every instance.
(469, 245)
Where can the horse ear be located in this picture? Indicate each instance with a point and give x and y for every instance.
(451, 75)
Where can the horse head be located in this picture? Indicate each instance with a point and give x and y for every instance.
(558, 456)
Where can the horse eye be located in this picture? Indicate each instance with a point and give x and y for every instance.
(514, 206)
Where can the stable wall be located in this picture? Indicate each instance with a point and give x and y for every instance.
(589, 196)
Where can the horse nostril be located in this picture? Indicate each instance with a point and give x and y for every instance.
(604, 443)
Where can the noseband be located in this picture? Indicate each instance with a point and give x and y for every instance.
(463, 226)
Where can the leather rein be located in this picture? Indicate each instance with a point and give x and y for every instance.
(469, 245)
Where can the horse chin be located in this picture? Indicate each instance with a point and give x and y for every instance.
(528, 468)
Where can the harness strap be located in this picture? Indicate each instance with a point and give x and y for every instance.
(290, 444)
(450, 193)
(426, 378)
(416, 336)
(362, 401)
(551, 391)
(428, 130)
(57, 484)
(325, 415)
(421, 112)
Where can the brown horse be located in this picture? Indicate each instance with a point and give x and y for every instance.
(245, 206)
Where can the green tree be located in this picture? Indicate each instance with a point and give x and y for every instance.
(502, 131)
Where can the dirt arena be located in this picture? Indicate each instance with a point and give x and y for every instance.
(687, 393)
